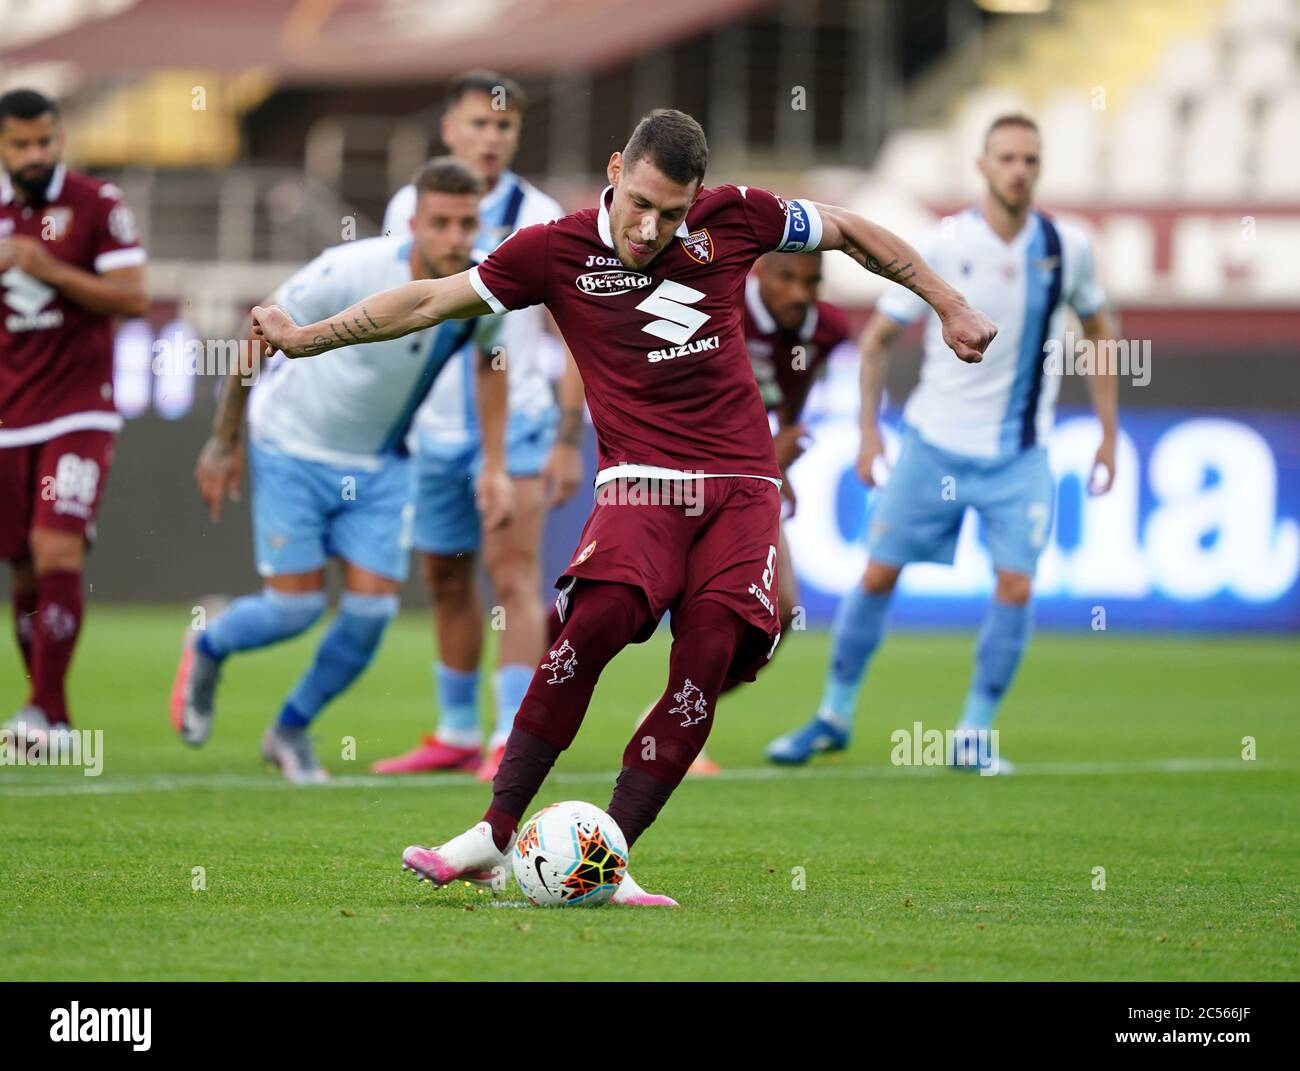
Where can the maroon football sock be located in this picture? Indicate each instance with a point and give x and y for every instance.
(24, 603)
(601, 619)
(59, 608)
(666, 743)
(524, 766)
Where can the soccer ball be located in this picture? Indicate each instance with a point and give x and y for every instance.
(569, 855)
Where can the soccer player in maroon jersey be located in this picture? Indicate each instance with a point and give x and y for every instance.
(70, 260)
(646, 290)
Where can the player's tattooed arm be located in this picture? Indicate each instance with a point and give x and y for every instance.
(966, 331)
(389, 314)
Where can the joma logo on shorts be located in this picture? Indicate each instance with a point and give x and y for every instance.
(604, 283)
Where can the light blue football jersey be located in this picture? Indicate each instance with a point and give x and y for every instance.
(449, 417)
(355, 405)
(1007, 402)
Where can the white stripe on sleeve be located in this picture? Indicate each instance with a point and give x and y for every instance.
(480, 288)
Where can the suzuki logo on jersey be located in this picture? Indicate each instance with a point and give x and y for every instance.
(28, 298)
(606, 283)
(698, 346)
(676, 321)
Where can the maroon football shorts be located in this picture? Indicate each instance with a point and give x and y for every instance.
(685, 542)
(54, 484)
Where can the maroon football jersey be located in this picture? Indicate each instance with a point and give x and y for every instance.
(787, 362)
(56, 357)
(661, 350)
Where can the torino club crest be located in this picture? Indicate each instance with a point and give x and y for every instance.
(698, 245)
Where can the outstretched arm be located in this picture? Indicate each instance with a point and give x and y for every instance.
(389, 314)
(966, 331)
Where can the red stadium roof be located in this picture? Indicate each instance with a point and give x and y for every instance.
(375, 40)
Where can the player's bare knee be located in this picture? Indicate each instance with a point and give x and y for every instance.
(448, 578)
(514, 582)
(1014, 588)
(53, 551)
(297, 583)
(880, 578)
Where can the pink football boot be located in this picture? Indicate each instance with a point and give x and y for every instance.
(630, 894)
(432, 754)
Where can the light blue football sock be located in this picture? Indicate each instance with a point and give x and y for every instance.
(457, 694)
(998, 650)
(261, 620)
(345, 651)
(511, 684)
(859, 625)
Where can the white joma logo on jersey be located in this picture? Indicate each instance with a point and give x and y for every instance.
(698, 346)
(677, 321)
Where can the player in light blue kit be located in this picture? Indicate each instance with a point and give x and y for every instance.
(331, 475)
(481, 127)
(973, 436)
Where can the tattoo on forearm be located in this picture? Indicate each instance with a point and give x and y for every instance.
(903, 274)
(366, 313)
(356, 330)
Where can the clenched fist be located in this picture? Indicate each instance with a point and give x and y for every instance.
(276, 328)
(968, 333)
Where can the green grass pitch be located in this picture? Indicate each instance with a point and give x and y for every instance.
(1130, 751)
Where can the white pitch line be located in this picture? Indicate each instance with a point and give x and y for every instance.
(11, 784)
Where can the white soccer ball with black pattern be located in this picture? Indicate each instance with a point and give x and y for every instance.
(570, 854)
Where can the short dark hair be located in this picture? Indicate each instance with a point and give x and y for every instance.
(1009, 119)
(26, 104)
(673, 142)
(446, 174)
(496, 86)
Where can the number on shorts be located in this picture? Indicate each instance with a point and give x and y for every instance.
(1039, 516)
(769, 574)
(76, 478)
